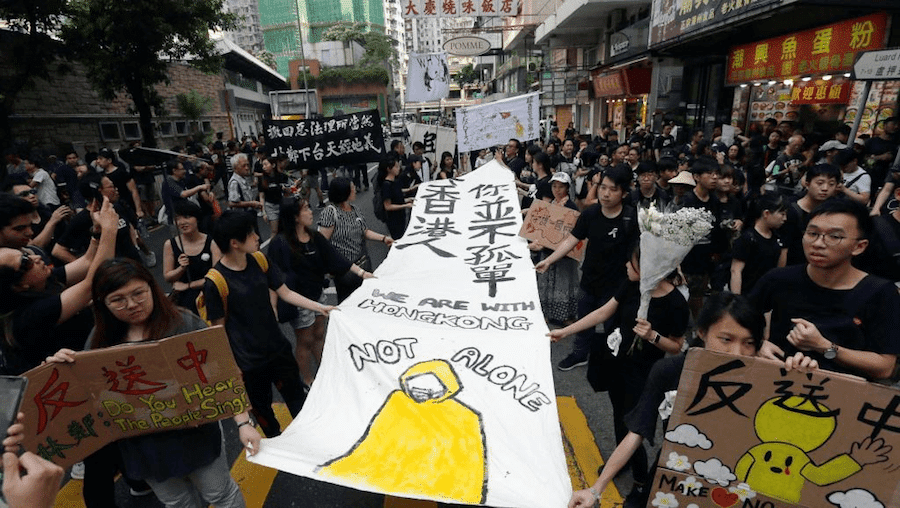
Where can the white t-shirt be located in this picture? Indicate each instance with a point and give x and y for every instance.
(862, 184)
(46, 188)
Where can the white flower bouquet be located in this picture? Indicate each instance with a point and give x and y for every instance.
(666, 238)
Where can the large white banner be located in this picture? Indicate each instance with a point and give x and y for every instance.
(458, 8)
(436, 379)
(428, 79)
(496, 123)
(436, 139)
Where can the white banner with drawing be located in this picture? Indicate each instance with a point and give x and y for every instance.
(496, 123)
(428, 79)
(436, 379)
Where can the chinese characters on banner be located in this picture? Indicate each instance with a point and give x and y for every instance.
(609, 85)
(547, 224)
(436, 139)
(345, 139)
(824, 50)
(496, 123)
(458, 8)
(820, 92)
(436, 378)
(745, 432)
(671, 18)
(74, 409)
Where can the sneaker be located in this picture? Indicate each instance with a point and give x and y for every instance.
(140, 493)
(77, 472)
(572, 361)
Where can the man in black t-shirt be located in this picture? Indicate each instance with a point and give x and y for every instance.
(611, 231)
(260, 350)
(881, 151)
(664, 146)
(837, 314)
(699, 262)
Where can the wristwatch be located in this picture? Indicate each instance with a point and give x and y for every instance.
(656, 338)
(831, 352)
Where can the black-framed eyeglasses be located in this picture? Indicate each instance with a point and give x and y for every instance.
(830, 239)
(25, 194)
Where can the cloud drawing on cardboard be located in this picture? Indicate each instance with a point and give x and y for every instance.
(688, 435)
(714, 471)
(854, 498)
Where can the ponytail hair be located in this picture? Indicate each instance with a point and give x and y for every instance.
(772, 202)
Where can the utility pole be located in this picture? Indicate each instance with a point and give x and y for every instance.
(302, 59)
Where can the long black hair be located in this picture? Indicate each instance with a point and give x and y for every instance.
(287, 224)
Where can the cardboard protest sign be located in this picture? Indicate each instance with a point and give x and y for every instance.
(496, 123)
(428, 78)
(547, 224)
(346, 139)
(74, 409)
(436, 378)
(746, 433)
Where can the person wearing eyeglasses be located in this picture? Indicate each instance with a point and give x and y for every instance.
(828, 309)
(48, 307)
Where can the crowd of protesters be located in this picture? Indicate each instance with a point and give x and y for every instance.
(805, 227)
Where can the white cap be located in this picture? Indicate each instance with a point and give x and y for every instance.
(832, 144)
(559, 176)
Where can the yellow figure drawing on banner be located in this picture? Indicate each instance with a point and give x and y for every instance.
(790, 427)
(422, 441)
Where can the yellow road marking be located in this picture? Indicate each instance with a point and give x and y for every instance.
(253, 479)
(582, 454)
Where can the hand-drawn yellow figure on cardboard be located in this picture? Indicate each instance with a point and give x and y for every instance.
(790, 428)
(422, 441)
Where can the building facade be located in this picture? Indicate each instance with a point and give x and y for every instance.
(247, 35)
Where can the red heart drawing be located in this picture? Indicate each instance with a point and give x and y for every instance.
(724, 498)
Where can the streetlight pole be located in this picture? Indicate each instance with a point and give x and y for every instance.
(302, 59)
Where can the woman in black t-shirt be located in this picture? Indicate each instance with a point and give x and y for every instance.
(540, 164)
(644, 342)
(305, 257)
(271, 187)
(395, 204)
(759, 248)
(188, 256)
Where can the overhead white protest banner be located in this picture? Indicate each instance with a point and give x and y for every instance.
(496, 123)
(436, 379)
(436, 139)
(428, 78)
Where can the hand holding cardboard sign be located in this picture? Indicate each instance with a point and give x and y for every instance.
(35, 489)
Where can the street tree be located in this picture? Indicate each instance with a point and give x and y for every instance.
(28, 52)
(127, 46)
(465, 75)
(379, 47)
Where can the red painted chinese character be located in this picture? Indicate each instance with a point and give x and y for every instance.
(487, 6)
(194, 360)
(449, 6)
(133, 374)
(52, 396)
(468, 7)
(506, 6)
(430, 7)
(411, 8)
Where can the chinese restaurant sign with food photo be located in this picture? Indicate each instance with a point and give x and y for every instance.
(824, 50)
(436, 379)
(745, 433)
(74, 409)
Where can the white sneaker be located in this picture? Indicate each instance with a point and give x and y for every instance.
(77, 472)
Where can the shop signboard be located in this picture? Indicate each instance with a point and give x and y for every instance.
(820, 92)
(458, 8)
(608, 85)
(670, 19)
(827, 49)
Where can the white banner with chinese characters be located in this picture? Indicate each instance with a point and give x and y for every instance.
(496, 123)
(436, 139)
(458, 8)
(428, 78)
(436, 379)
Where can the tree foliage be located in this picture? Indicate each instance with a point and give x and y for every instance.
(28, 51)
(193, 105)
(126, 46)
(379, 47)
(466, 74)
